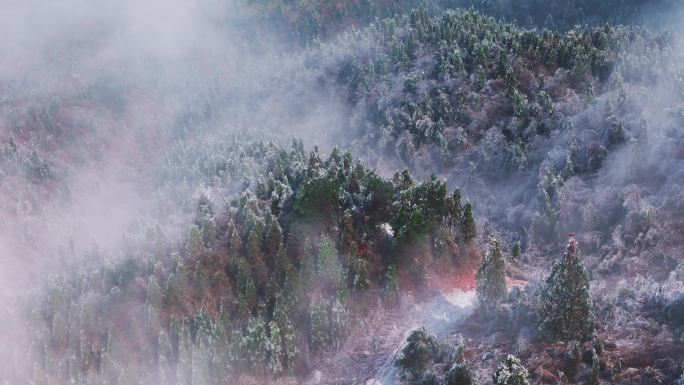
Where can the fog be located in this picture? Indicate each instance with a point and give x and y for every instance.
(103, 93)
(115, 84)
(100, 92)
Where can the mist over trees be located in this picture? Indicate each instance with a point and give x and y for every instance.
(277, 192)
(260, 283)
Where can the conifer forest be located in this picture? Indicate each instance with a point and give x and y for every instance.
(373, 192)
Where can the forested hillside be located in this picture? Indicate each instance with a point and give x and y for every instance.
(540, 112)
(435, 192)
(307, 21)
(261, 282)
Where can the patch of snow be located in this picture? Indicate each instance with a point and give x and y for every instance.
(316, 378)
(460, 298)
(387, 229)
(440, 315)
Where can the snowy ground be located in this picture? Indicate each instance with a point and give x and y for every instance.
(368, 356)
(441, 316)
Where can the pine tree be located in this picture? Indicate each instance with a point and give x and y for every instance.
(154, 294)
(274, 240)
(195, 244)
(565, 311)
(307, 271)
(510, 372)
(480, 77)
(154, 305)
(444, 245)
(459, 374)
(234, 240)
(595, 367)
(338, 323)
(255, 255)
(468, 231)
(174, 294)
(165, 358)
(247, 294)
(358, 267)
(294, 244)
(516, 251)
(256, 343)
(253, 246)
(511, 82)
(347, 235)
(275, 347)
(502, 64)
(208, 229)
(420, 351)
(391, 289)
(319, 327)
(327, 264)
(220, 364)
(315, 162)
(59, 331)
(184, 365)
(491, 277)
(200, 365)
(281, 317)
(454, 207)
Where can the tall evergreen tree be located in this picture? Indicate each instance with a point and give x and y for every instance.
(255, 255)
(391, 288)
(468, 230)
(165, 358)
(288, 334)
(154, 305)
(184, 365)
(195, 244)
(234, 241)
(421, 351)
(319, 337)
(491, 277)
(454, 207)
(516, 251)
(256, 343)
(565, 311)
(274, 239)
(275, 346)
(307, 271)
(338, 323)
(327, 264)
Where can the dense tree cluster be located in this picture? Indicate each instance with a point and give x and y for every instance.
(257, 283)
(307, 21)
(15, 160)
(558, 14)
(419, 353)
(425, 361)
(482, 101)
(563, 314)
(455, 65)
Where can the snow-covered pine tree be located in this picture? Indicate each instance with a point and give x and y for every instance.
(565, 311)
(288, 334)
(491, 277)
(468, 230)
(510, 372)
